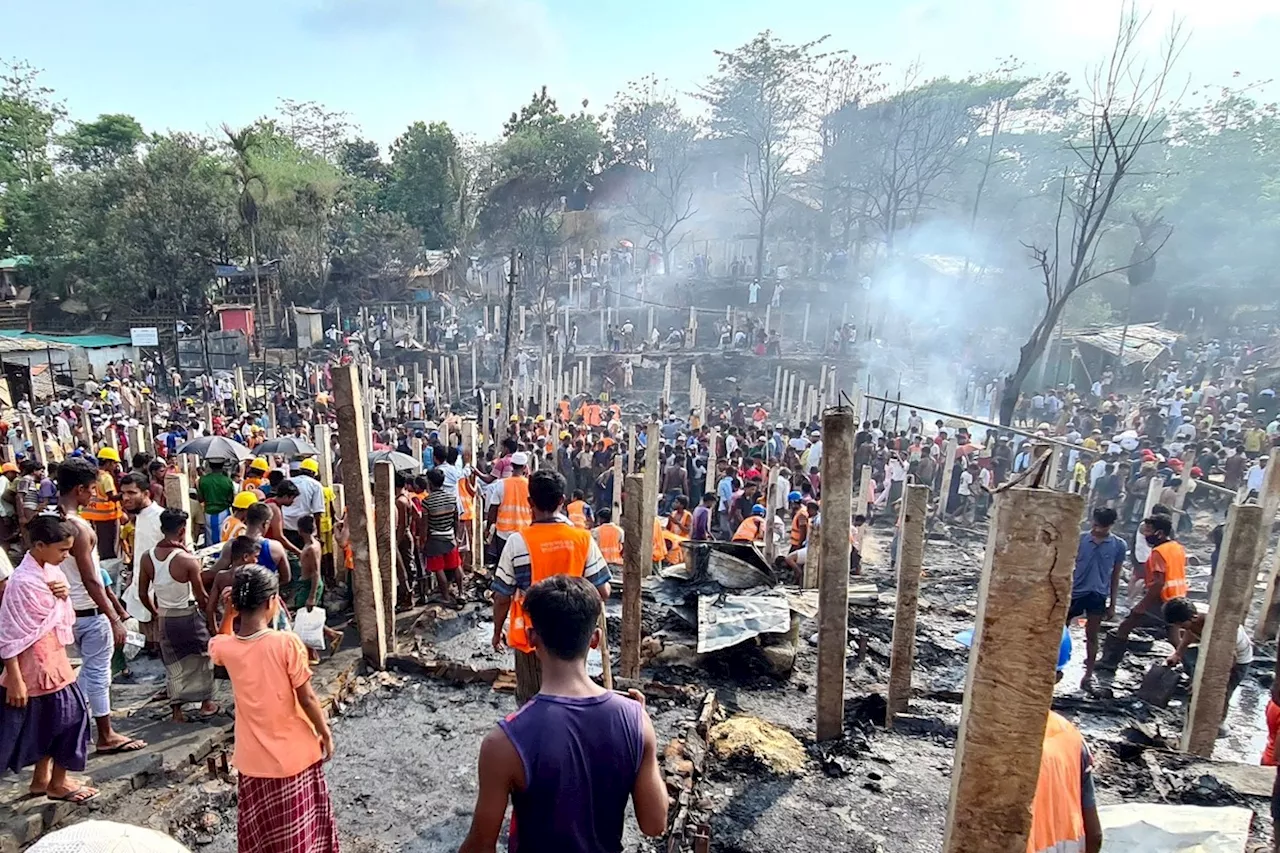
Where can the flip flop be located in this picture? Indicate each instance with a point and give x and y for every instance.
(80, 795)
(130, 745)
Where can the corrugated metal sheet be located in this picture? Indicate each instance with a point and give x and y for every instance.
(1143, 342)
(13, 343)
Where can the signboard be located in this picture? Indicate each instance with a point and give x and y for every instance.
(146, 336)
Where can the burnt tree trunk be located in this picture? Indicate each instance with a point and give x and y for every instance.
(1030, 352)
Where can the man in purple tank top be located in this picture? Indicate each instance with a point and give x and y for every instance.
(569, 759)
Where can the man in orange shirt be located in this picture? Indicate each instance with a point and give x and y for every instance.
(547, 546)
(1165, 579)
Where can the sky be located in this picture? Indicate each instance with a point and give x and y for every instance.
(191, 65)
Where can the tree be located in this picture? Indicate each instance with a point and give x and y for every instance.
(652, 137)
(102, 143)
(1124, 113)
(314, 127)
(27, 118)
(250, 188)
(544, 156)
(422, 184)
(757, 99)
(374, 254)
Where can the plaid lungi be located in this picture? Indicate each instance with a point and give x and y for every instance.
(292, 815)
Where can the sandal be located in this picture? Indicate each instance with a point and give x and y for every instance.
(130, 745)
(80, 795)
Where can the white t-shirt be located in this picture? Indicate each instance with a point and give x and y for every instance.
(310, 501)
(1256, 475)
(966, 480)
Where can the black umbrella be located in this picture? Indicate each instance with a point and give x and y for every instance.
(288, 445)
(401, 462)
(216, 447)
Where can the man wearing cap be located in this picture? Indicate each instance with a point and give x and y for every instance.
(103, 510)
(752, 528)
(257, 475)
(310, 500)
(548, 545)
(235, 525)
(509, 510)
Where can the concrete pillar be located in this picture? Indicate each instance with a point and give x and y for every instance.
(948, 467)
(864, 493)
(324, 454)
(370, 605)
(838, 428)
(138, 440)
(637, 545)
(242, 399)
(616, 505)
(1154, 489)
(915, 506)
(666, 388)
(1229, 598)
(770, 503)
(804, 335)
(777, 388)
(1269, 499)
(177, 495)
(1026, 579)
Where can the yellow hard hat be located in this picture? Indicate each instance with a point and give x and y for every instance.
(310, 465)
(259, 464)
(515, 418)
(539, 419)
(244, 500)
(564, 433)
(108, 454)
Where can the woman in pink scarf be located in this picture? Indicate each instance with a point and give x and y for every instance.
(43, 716)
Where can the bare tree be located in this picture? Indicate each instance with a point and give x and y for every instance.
(1126, 109)
(757, 99)
(652, 137)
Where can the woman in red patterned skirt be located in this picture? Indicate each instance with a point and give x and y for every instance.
(282, 733)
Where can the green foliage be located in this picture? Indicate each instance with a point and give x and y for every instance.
(101, 143)
(422, 185)
(27, 117)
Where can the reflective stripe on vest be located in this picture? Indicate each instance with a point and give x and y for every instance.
(555, 548)
(514, 513)
(577, 514)
(101, 507)
(1057, 819)
(1174, 558)
(609, 538)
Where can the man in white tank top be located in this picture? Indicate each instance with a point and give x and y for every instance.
(99, 625)
(172, 573)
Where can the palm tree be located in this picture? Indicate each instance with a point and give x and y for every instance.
(246, 178)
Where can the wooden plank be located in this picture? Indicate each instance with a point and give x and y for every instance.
(838, 427)
(1265, 628)
(1022, 606)
(384, 528)
(1228, 604)
(637, 532)
(915, 506)
(353, 437)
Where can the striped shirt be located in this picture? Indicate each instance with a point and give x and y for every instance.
(515, 572)
(442, 515)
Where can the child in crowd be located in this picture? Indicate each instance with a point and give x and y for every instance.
(44, 720)
(282, 734)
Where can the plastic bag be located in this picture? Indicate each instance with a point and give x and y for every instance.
(134, 641)
(309, 626)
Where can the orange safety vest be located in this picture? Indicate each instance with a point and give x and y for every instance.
(577, 514)
(468, 496)
(101, 507)
(609, 538)
(554, 549)
(659, 541)
(564, 411)
(231, 528)
(1174, 558)
(593, 415)
(1057, 816)
(514, 513)
(797, 539)
(751, 529)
